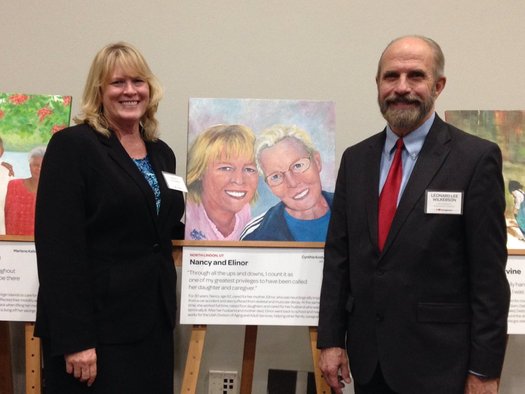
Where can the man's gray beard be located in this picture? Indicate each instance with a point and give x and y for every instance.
(406, 118)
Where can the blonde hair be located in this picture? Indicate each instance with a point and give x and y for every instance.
(276, 133)
(218, 141)
(123, 55)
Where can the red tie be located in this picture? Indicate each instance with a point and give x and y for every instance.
(388, 196)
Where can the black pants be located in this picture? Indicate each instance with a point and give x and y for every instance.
(145, 366)
(376, 386)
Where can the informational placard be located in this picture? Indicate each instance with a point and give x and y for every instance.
(251, 286)
(18, 281)
(516, 276)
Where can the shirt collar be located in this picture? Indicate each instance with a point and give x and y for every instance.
(413, 141)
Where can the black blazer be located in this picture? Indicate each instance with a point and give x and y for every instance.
(104, 255)
(434, 303)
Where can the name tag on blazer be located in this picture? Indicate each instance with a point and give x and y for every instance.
(174, 182)
(443, 202)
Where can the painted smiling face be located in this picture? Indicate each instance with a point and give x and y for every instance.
(300, 191)
(228, 184)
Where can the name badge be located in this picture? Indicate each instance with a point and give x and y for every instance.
(443, 203)
(174, 182)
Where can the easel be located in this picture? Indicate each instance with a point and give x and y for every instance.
(33, 361)
(198, 332)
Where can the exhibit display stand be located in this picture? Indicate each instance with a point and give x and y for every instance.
(198, 332)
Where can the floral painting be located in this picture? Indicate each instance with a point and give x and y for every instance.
(27, 122)
(506, 128)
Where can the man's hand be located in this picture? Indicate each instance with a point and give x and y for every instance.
(333, 363)
(83, 365)
(476, 385)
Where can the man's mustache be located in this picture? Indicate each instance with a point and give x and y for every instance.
(403, 100)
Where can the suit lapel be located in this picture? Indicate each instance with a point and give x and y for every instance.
(373, 163)
(119, 155)
(432, 156)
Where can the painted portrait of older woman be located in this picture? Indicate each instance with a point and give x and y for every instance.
(291, 167)
(222, 181)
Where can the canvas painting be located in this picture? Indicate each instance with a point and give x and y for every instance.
(260, 170)
(506, 128)
(27, 122)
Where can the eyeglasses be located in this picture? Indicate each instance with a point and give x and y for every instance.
(300, 166)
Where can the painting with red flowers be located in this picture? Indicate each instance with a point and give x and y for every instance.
(27, 122)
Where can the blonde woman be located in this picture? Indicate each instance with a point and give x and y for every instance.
(105, 218)
(222, 182)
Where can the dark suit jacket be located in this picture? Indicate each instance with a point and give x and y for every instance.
(434, 303)
(104, 255)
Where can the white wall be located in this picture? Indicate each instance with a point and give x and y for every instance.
(295, 49)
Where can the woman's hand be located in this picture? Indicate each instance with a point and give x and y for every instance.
(83, 365)
(9, 168)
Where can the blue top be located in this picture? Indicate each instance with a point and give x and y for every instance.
(145, 167)
(313, 230)
(272, 225)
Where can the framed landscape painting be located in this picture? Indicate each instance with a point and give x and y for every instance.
(506, 128)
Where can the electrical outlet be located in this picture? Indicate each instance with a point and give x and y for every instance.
(223, 382)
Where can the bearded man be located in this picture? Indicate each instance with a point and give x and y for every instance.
(414, 288)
